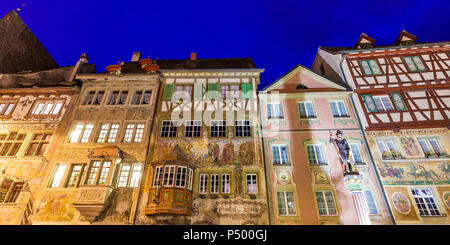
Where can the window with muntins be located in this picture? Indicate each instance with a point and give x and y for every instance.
(383, 103)
(425, 202)
(370, 67)
(118, 97)
(108, 132)
(338, 109)
(168, 175)
(280, 154)
(10, 143)
(274, 110)
(316, 154)
(325, 203)
(180, 180)
(39, 144)
(169, 129)
(414, 63)
(47, 107)
(94, 97)
(141, 97)
(356, 154)
(81, 129)
(134, 133)
(7, 107)
(218, 129)
(58, 175)
(10, 190)
(430, 146)
(242, 128)
(193, 128)
(225, 183)
(129, 175)
(371, 204)
(306, 109)
(286, 203)
(252, 183)
(98, 172)
(75, 174)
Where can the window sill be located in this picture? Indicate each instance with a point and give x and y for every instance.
(338, 117)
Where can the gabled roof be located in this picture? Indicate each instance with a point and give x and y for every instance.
(303, 69)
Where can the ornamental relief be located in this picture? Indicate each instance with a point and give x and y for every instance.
(138, 113)
(93, 114)
(91, 195)
(29, 126)
(72, 153)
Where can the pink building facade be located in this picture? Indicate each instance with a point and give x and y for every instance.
(303, 170)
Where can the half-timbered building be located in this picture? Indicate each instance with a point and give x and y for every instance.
(402, 95)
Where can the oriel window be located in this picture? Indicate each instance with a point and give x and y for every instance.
(118, 97)
(180, 180)
(169, 171)
(141, 97)
(10, 191)
(98, 172)
(39, 144)
(10, 143)
(94, 97)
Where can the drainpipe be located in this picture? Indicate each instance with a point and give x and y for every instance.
(147, 155)
(380, 186)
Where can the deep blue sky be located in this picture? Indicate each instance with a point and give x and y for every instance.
(277, 34)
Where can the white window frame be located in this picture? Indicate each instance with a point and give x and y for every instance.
(94, 97)
(279, 157)
(157, 177)
(58, 175)
(305, 107)
(168, 176)
(120, 93)
(225, 183)
(353, 152)
(327, 208)
(381, 103)
(424, 205)
(203, 183)
(219, 126)
(341, 111)
(252, 186)
(277, 110)
(181, 177)
(168, 129)
(375, 206)
(316, 154)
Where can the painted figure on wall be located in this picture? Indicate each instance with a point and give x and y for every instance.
(409, 146)
(345, 152)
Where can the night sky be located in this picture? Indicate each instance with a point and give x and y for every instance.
(277, 34)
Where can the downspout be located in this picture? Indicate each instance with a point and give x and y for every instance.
(367, 146)
(147, 155)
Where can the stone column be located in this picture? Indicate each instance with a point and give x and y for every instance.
(353, 182)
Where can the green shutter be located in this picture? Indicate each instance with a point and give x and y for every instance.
(370, 104)
(247, 91)
(213, 91)
(398, 102)
(199, 89)
(168, 91)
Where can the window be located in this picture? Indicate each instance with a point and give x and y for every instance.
(203, 187)
(414, 63)
(218, 129)
(58, 175)
(425, 202)
(306, 109)
(169, 129)
(38, 145)
(10, 143)
(234, 92)
(75, 173)
(356, 154)
(242, 128)
(430, 146)
(192, 128)
(108, 132)
(129, 175)
(225, 91)
(134, 133)
(286, 204)
(157, 177)
(252, 184)
(325, 203)
(6, 108)
(370, 67)
(180, 180)
(99, 172)
(168, 175)
(183, 92)
(371, 204)
(10, 190)
(383, 103)
(386, 146)
(47, 107)
(141, 97)
(118, 97)
(94, 97)
(280, 154)
(338, 109)
(226, 183)
(214, 187)
(83, 130)
(316, 154)
(191, 175)
(274, 110)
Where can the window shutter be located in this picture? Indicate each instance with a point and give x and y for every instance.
(168, 91)
(213, 91)
(398, 102)
(198, 91)
(370, 104)
(247, 91)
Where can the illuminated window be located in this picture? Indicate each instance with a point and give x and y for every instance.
(39, 145)
(280, 154)
(108, 132)
(370, 67)
(316, 154)
(118, 97)
(98, 172)
(193, 128)
(168, 175)
(134, 133)
(286, 203)
(225, 183)
(94, 97)
(129, 175)
(218, 129)
(47, 107)
(414, 63)
(6, 108)
(325, 203)
(10, 143)
(425, 202)
(81, 129)
(338, 109)
(75, 174)
(214, 186)
(10, 190)
(383, 103)
(157, 177)
(169, 129)
(252, 184)
(274, 111)
(141, 97)
(306, 109)
(58, 175)
(242, 128)
(180, 180)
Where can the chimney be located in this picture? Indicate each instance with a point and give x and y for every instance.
(136, 56)
(193, 56)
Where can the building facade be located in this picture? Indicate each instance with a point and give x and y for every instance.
(205, 165)
(402, 96)
(299, 111)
